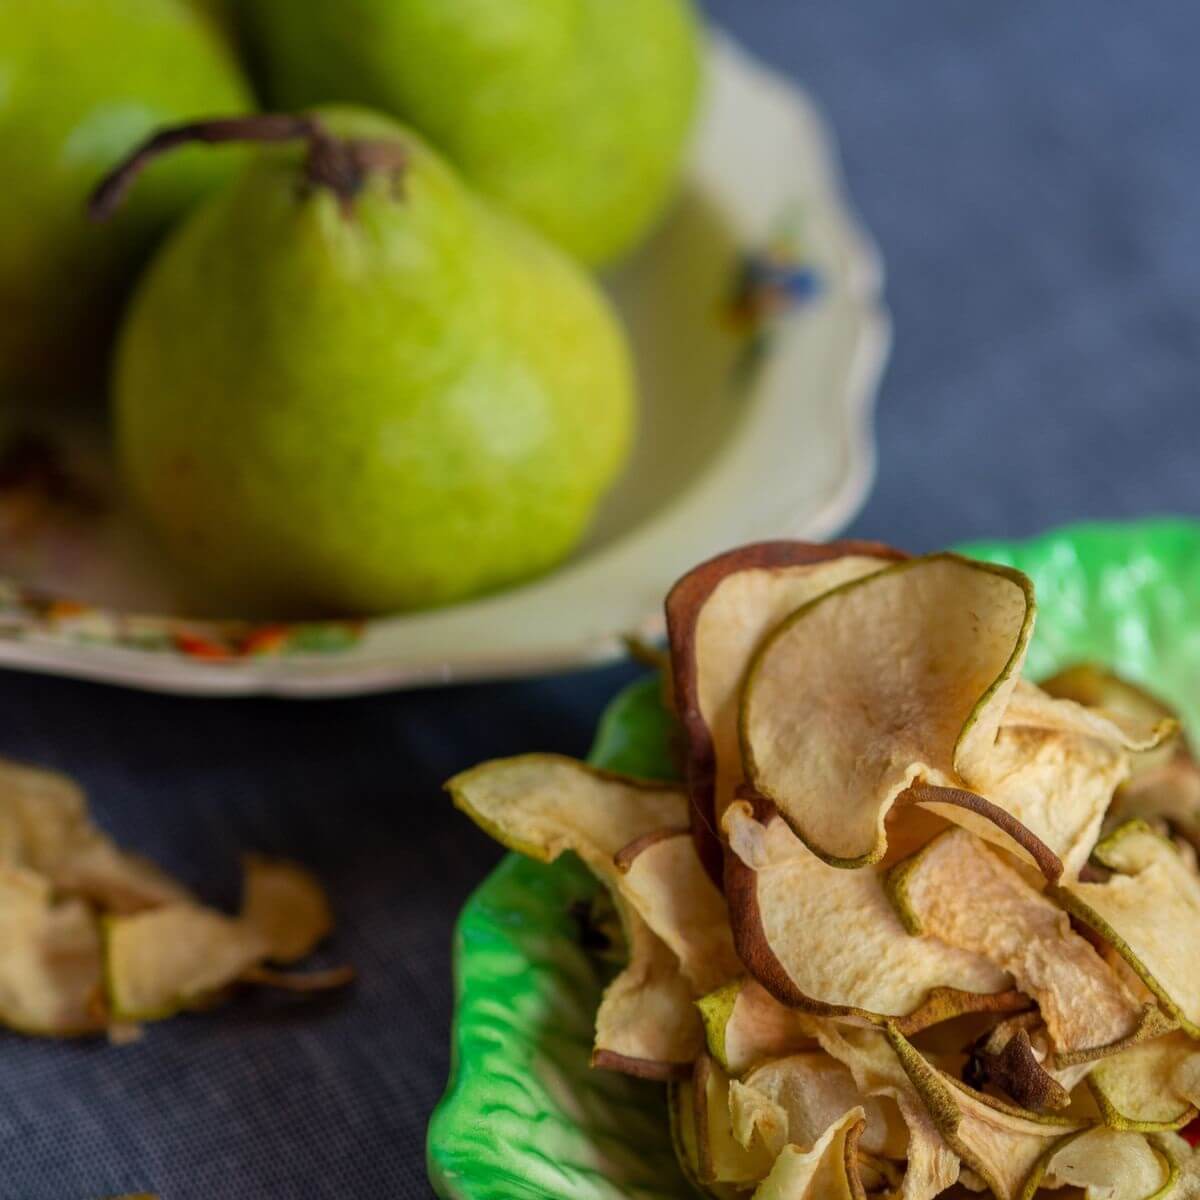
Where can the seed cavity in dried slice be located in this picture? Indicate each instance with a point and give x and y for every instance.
(959, 892)
(1149, 912)
(1106, 1164)
(1152, 1086)
(900, 677)
(717, 615)
(51, 967)
(165, 960)
(662, 877)
(1000, 1143)
(287, 905)
(812, 1091)
(827, 940)
(745, 1025)
(45, 826)
(930, 1165)
(828, 1171)
(721, 1157)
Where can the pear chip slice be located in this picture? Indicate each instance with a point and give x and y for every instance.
(717, 615)
(287, 905)
(895, 679)
(1003, 1145)
(544, 805)
(173, 958)
(1107, 1164)
(1149, 912)
(827, 940)
(50, 960)
(828, 1171)
(744, 1025)
(1086, 1007)
(1151, 1087)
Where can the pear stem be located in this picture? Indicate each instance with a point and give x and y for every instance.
(340, 164)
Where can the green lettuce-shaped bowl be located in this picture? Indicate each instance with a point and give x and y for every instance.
(524, 1115)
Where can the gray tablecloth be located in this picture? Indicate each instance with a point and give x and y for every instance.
(1032, 172)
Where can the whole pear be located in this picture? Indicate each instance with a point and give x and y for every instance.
(572, 113)
(347, 385)
(81, 83)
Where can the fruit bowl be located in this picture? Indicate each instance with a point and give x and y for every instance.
(758, 333)
(524, 1114)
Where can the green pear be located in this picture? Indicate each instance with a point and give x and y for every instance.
(347, 385)
(81, 82)
(572, 113)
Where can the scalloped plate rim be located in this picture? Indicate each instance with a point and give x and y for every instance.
(363, 670)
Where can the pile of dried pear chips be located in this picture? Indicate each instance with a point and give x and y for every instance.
(94, 939)
(915, 926)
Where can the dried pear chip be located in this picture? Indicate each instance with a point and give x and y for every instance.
(829, 1171)
(1152, 1086)
(898, 678)
(1149, 912)
(681, 1108)
(1185, 1160)
(51, 967)
(1097, 687)
(646, 1025)
(543, 805)
(165, 960)
(931, 1167)
(44, 825)
(1003, 1145)
(963, 894)
(813, 1090)
(287, 905)
(1168, 794)
(744, 1025)
(1121, 725)
(827, 940)
(662, 877)
(717, 615)
(721, 1157)
(1055, 783)
(1107, 1164)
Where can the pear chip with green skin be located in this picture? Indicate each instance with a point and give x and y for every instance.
(961, 987)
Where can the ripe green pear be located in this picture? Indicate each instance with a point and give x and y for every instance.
(347, 385)
(81, 83)
(572, 113)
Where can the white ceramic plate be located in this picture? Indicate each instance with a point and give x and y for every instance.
(759, 333)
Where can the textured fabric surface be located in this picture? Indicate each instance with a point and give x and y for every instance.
(1031, 171)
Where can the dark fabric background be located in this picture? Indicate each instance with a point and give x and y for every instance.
(1032, 173)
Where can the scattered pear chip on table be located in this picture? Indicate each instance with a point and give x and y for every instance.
(50, 959)
(717, 615)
